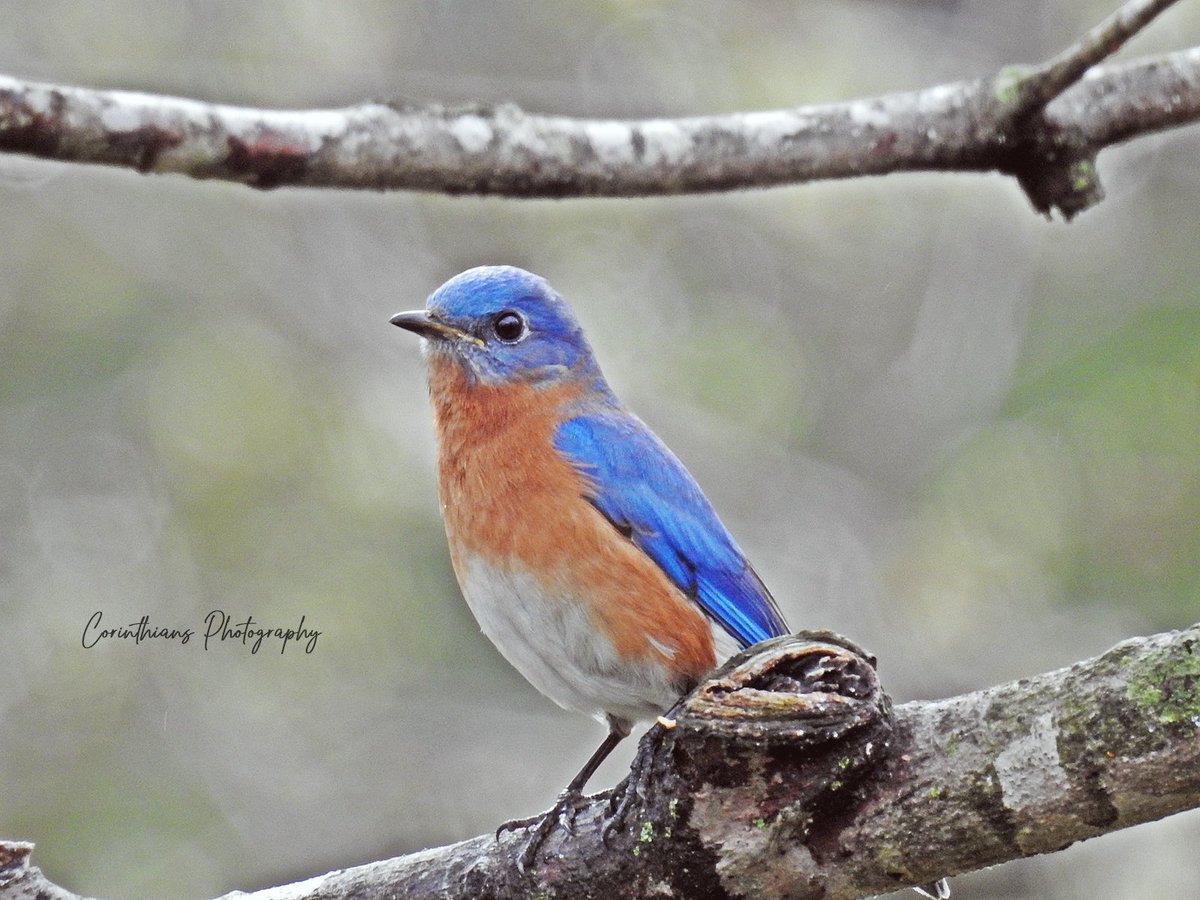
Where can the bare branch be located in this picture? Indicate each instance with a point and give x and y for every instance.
(788, 773)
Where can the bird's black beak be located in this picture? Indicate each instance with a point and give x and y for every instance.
(419, 322)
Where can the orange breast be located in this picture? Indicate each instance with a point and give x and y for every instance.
(509, 496)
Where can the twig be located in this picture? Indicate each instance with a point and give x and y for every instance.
(1034, 89)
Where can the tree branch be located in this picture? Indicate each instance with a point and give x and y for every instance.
(788, 773)
(1044, 126)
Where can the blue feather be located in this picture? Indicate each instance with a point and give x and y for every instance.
(646, 493)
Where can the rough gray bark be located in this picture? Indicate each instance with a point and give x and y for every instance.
(1044, 125)
(788, 773)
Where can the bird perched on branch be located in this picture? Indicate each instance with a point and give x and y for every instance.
(584, 548)
(586, 551)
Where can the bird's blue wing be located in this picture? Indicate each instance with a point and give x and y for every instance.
(645, 492)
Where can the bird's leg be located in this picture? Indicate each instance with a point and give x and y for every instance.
(575, 788)
(568, 800)
(618, 730)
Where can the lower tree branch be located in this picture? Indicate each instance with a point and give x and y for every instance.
(788, 773)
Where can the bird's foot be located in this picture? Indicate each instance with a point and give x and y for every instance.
(629, 790)
(565, 809)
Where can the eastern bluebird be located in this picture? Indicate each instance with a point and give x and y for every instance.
(584, 548)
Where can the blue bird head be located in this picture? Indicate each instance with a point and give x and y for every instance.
(504, 325)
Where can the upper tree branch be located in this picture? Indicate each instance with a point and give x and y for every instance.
(991, 124)
(788, 774)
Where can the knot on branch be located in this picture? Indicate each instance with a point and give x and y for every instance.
(1054, 165)
(799, 691)
(1056, 175)
(786, 721)
(764, 758)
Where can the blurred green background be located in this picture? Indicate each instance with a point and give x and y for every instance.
(964, 436)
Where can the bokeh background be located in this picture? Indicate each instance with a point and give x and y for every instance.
(962, 435)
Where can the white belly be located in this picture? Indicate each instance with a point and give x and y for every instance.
(550, 639)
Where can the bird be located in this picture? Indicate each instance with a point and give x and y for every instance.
(586, 551)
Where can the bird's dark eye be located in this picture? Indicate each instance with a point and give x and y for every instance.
(509, 326)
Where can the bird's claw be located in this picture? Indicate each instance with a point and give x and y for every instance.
(516, 825)
(619, 805)
(935, 890)
(622, 799)
(568, 804)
